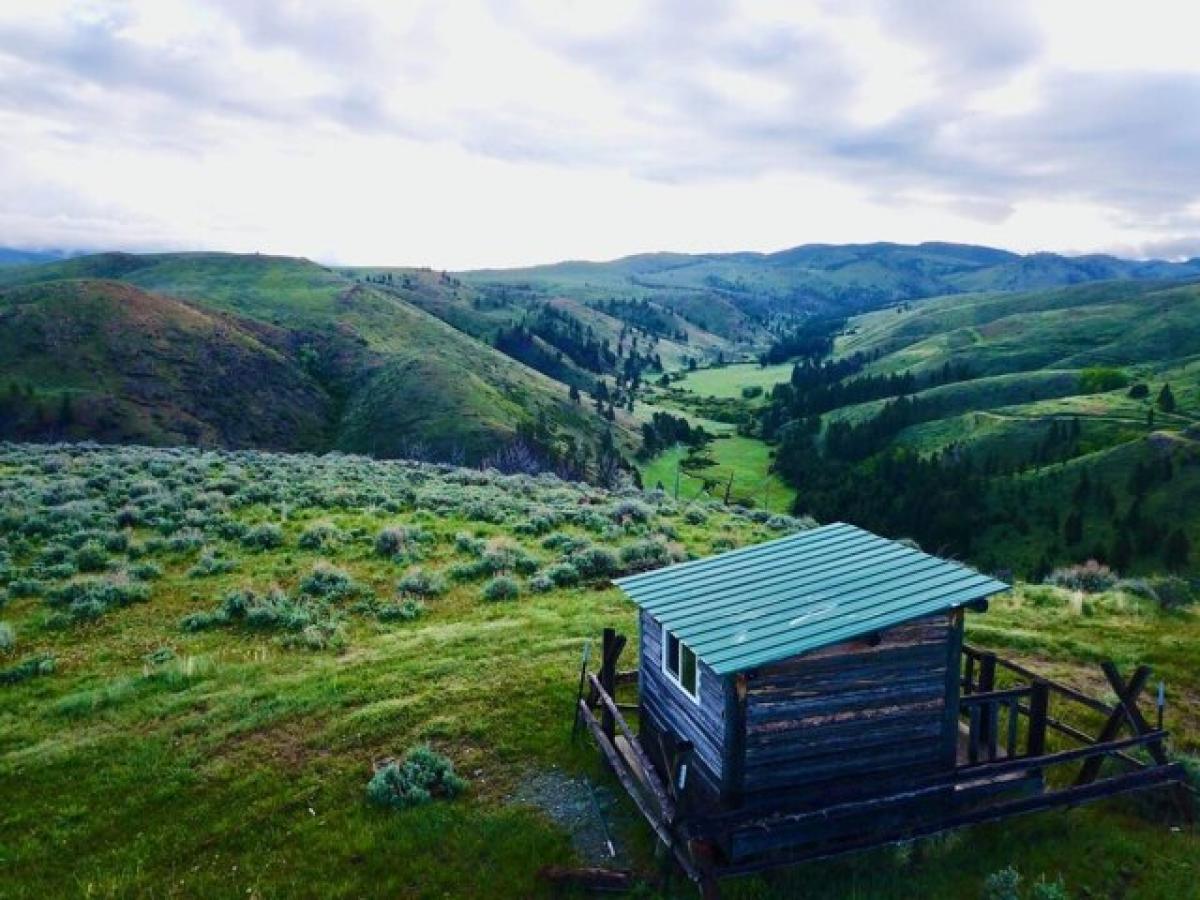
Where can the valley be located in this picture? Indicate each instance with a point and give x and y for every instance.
(264, 523)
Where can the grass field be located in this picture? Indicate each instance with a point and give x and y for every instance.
(728, 381)
(747, 459)
(231, 759)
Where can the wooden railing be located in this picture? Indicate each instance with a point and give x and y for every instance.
(980, 702)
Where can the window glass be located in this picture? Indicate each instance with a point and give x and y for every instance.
(687, 670)
(672, 659)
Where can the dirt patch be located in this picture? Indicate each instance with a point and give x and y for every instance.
(587, 811)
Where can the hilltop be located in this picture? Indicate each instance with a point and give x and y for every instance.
(730, 292)
(377, 373)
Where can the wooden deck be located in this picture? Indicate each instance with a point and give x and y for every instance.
(1002, 760)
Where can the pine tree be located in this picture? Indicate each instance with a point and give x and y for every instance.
(573, 393)
(1073, 528)
(1121, 554)
(1166, 399)
(1177, 550)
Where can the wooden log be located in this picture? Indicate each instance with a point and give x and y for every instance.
(1071, 731)
(981, 698)
(613, 645)
(734, 769)
(647, 774)
(1126, 696)
(1022, 763)
(616, 881)
(1057, 686)
(987, 684)
(1039, 703)
(617, 764)
(1133, 781)
(1132, 712)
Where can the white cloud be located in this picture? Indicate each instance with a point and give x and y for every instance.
(491, 133)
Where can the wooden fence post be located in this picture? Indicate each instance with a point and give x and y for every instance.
(1039, 705)
(608, 680)
(988, 714)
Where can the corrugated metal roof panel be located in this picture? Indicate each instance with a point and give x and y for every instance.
(771, 601)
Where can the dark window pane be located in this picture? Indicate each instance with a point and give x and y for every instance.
(673, 655)
(687, 670)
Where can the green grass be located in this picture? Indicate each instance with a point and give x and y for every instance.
(729, 381)
(238, 766)
(376, 373)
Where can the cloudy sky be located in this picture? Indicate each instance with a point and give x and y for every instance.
(500, 132)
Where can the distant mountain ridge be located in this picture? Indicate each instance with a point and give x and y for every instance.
(839, 277)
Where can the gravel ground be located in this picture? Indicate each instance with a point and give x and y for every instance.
(566, 800)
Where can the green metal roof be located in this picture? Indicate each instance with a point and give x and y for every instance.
(760, 604)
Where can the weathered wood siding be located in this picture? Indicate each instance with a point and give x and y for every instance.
(851, 715)
(673, 711)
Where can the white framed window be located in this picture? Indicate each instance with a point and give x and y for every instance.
(679, 664)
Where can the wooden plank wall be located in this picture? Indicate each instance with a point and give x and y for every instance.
(671, 710)
(847, 716)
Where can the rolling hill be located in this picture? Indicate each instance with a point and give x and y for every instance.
(730, 293)
(385, 377)
(1023, 430)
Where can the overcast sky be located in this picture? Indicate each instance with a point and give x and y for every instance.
(474, 133)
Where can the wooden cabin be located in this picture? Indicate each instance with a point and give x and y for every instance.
(822, 662)
(813, 695)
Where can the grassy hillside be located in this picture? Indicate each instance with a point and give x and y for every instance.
(1053, 420)
(400, 381)
(106, 360)
(164, 733)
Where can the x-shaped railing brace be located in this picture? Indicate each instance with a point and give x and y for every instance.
(1126, 710)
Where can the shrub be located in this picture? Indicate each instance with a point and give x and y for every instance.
(481, 511)
(88, 600)
(91, 557)
(694, 515)
(397, 539)
(421, 583)
(25, 587)
(643, 555)
(505, 558)
(423, 775)
(26, 669)
(209, 565)
(469, 544)
(541, 583)
(1091, 577)
(327, 582)
(563, 542)
(145, 572)
(562, 574)
(116, 541)
(320, 536)
(8, 638)
(190, 540)
(628, 511)
(405, 611)
(266, 536)
(1049, 890)
(594, 562)
(323, 635)
(501, 588)
(1173, 592)
(1004, 884)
